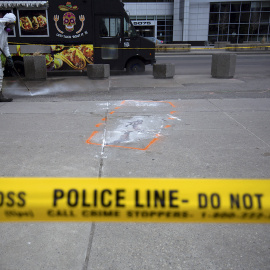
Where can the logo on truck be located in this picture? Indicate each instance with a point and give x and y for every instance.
(69, 19)
(68, 7)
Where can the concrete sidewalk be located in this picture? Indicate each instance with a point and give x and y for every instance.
(220, 129)
(122, 86)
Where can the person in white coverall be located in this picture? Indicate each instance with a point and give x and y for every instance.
(6, 25)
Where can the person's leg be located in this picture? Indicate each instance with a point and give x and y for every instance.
(2, 98)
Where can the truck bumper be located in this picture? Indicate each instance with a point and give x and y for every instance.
(150, 62)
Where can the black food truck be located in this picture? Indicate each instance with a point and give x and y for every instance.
(74, 34)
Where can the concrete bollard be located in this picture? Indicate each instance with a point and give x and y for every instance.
(223, 65)
(98, 71)
(35, 67)
(163, 71)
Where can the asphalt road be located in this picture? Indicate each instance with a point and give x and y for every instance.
(192, 81)
(201, 64)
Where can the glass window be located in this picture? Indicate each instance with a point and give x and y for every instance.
(264, 29)
(109, 27)
(213, 29)
(254, 17)
(141, 18)
(264, 38)
(234, 17)
(254, 28)
(245, 6)
(255, 6)
(214, 18)
(243, 29)
(225, 7)
(212, 39)
(253, 37)
(164, 27)
(239, 21)
(223, 38)
(233, 38)
(148, 1)
(242, 38)
(266, 6)
(109, 52)
(244, 17)
(161, 23)
(265, 17)
(235, 7)
(224, 17)
(215, 7)
(223, 29)
(233, 29)
(129, 30)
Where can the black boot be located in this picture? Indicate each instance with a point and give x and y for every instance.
(3, 99)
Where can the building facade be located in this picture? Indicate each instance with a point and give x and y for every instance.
(201, 21)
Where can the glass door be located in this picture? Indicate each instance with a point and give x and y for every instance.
(108, 40)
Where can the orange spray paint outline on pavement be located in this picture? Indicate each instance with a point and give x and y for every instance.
(89, 140)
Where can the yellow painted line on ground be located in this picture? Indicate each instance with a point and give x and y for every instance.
(134, 200)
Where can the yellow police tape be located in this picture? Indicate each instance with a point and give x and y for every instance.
(134, 200)
(162, 47)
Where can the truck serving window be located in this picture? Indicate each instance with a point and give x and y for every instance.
(109, 27)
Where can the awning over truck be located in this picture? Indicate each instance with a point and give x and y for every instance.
(24, 4)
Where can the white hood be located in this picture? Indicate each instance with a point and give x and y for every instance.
(8, 18)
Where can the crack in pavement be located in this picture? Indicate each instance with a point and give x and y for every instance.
(103, 143)
(89, 247)
(93, 226)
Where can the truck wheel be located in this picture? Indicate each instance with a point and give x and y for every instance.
(135, 66)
